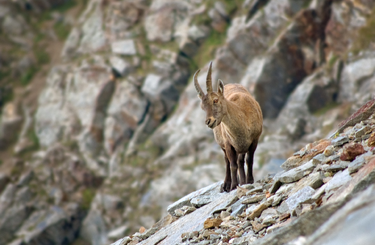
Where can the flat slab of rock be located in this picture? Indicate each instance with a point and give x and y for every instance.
(210, 192)
(297, 173)
(338, 180)
(171, 234)
(125, 47)
(299, 197)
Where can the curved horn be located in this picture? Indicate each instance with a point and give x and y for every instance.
(208, 79)
(196, 84)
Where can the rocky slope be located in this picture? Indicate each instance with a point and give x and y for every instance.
(117, 134)
(324, 195)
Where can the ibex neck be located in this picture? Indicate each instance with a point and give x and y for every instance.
(233, 117)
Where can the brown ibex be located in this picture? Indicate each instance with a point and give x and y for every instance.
(236, 119)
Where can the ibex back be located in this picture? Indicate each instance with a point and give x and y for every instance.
(236, 119)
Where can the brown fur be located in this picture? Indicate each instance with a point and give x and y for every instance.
(236, 119)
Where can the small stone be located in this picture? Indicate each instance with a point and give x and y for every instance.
(257, 226)
(224, 214)
(269, 221)
(306, 208)
(284, 216)
(241, 191)
(238, 208)
(356, 164)
(256, 189)
(318, 159)
(276, 200)
(142, 229)
(328, 151)
(275, 186)
(351, 151)
(371, 140)
(258, 210)
(212, 222)
(253, 199)
(283, 208)
(340, 141)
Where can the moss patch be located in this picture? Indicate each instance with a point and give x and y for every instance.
(366, 35)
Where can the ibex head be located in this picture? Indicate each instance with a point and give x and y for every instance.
(213, 103)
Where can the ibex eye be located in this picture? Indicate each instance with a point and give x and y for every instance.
(216, 100)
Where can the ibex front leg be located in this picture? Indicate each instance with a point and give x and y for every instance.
(232, 157)
(227, 182)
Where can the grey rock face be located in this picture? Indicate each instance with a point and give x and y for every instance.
(124, 47)
(299, 197)
(338, 180)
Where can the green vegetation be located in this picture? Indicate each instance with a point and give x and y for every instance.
(207, 50)
(87, 197)
(326, 108)
(62, 30)
(366, 35)
(28, 75)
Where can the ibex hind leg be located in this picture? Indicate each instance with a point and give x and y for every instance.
(227, 182)
(250, 161)
(241, 168)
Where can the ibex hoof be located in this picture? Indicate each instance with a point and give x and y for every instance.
(225, 187)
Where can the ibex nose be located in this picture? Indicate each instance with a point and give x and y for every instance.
(208, 120)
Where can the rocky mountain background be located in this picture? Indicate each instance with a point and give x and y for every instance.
(100, 125)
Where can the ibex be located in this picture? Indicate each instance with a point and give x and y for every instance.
(236, 119)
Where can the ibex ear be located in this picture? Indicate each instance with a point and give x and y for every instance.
(220, 87)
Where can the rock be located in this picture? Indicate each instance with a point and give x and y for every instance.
(12, 220)
(4, 180)
(275, 186)
(371, 140)
(292, 162)
(328, 151)
(254, 190)
(55, 224)
(120, 65)
(71, 44)
(165, 19)
(299, 197)
(253, 199)
(257, 226)
(93, 228)
(339, 230)
(361, 114)
(356, 164)
(10, 124)
(118, 232)
(209, 191)
(124, 47)
(351, 151)
(92, 35)
(338, 180)
(258, 210)
(237, 208)
(297, 173)
(122, 241)
(184, 210)
(340, 141)
(211, 223)
(14, 25)
(302, 226)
